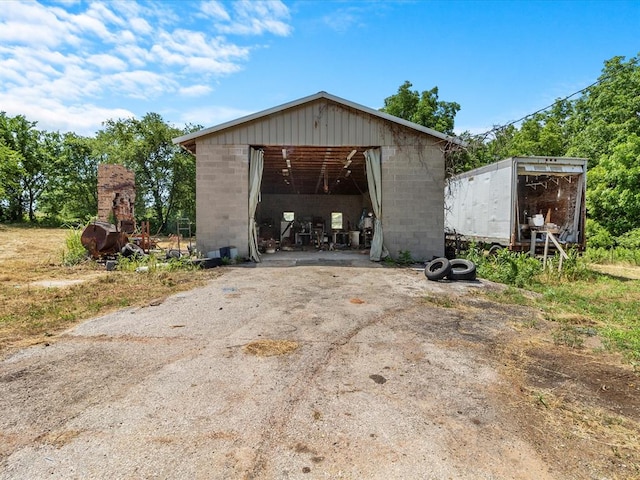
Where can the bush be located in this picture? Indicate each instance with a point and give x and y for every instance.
(613, 255)
(597, 235)
(630, 240)
(516, 269)
(74, 252)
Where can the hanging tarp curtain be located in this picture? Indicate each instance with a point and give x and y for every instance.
(374, 180)
(256, 165)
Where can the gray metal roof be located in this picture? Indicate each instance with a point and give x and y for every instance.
(320, 95)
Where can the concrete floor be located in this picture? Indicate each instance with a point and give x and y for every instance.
(336, 258)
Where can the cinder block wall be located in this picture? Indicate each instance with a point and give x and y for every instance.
(222, 197)
(351, 206)
(412, 200)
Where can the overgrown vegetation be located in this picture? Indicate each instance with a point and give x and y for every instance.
(74, 252)
(154, 264)
(583, 301)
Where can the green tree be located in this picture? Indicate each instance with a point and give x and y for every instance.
(608, 112)
(605, 128)
(25, 158)
(545, 133)
(422, 108)
(10, 191)
(613, 194)
(72, 193)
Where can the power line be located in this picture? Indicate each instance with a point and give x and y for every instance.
(501, 127)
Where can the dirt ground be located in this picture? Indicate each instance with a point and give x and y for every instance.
(382, 374)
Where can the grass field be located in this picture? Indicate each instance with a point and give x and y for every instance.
(585, 299)
(40, 297)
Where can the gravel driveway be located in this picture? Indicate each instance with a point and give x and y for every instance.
(382, 385)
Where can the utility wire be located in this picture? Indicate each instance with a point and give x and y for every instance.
(502, 127)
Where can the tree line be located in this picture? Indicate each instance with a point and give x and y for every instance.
(49, 177)
(602, 125)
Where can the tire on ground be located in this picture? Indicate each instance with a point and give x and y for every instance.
(462, 269)
(437, 269)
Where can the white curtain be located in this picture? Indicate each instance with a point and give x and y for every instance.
(256, 165)
(374, 177)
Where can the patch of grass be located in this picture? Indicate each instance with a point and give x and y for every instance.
(568, 335)
(511, 296)
(444, 301)
(269, 348)
(607, 304)
(515, 269)
(596, 302)
(28, 313)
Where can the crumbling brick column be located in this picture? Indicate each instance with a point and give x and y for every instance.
(116, 196)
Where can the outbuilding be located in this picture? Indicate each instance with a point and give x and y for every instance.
(320, 172)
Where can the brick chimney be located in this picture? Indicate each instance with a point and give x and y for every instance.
(116, 196)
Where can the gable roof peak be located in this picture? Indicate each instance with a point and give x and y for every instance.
(311, 98)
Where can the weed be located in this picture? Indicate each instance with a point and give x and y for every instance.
(404, 257)
(182, 263)
(389, 262)
(444, 301)
(74, 252)
(602, 255)
(516, 269)
(541, 400)
(567, 335)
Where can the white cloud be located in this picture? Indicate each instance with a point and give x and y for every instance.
(211, 115)
(53, 115)
(84, 23)
(32, 24)
(214, 9)
(102, 14)
(258, 17)
(195, 90)
(139, 84)
(137, 56)
(57, 62)
(195, 51)
(107, 62)
(140, 26)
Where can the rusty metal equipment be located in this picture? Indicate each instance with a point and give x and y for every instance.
(103, 238)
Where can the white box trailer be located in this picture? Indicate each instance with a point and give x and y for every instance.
(513, 202)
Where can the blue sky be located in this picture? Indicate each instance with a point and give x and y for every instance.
(70, 65)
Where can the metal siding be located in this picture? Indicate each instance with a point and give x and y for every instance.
(319, 124)
(479, 205)
(334, 124)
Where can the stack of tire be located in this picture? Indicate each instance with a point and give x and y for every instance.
(456, 269)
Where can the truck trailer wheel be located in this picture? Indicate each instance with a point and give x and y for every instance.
(437, 269)
(462, 269)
